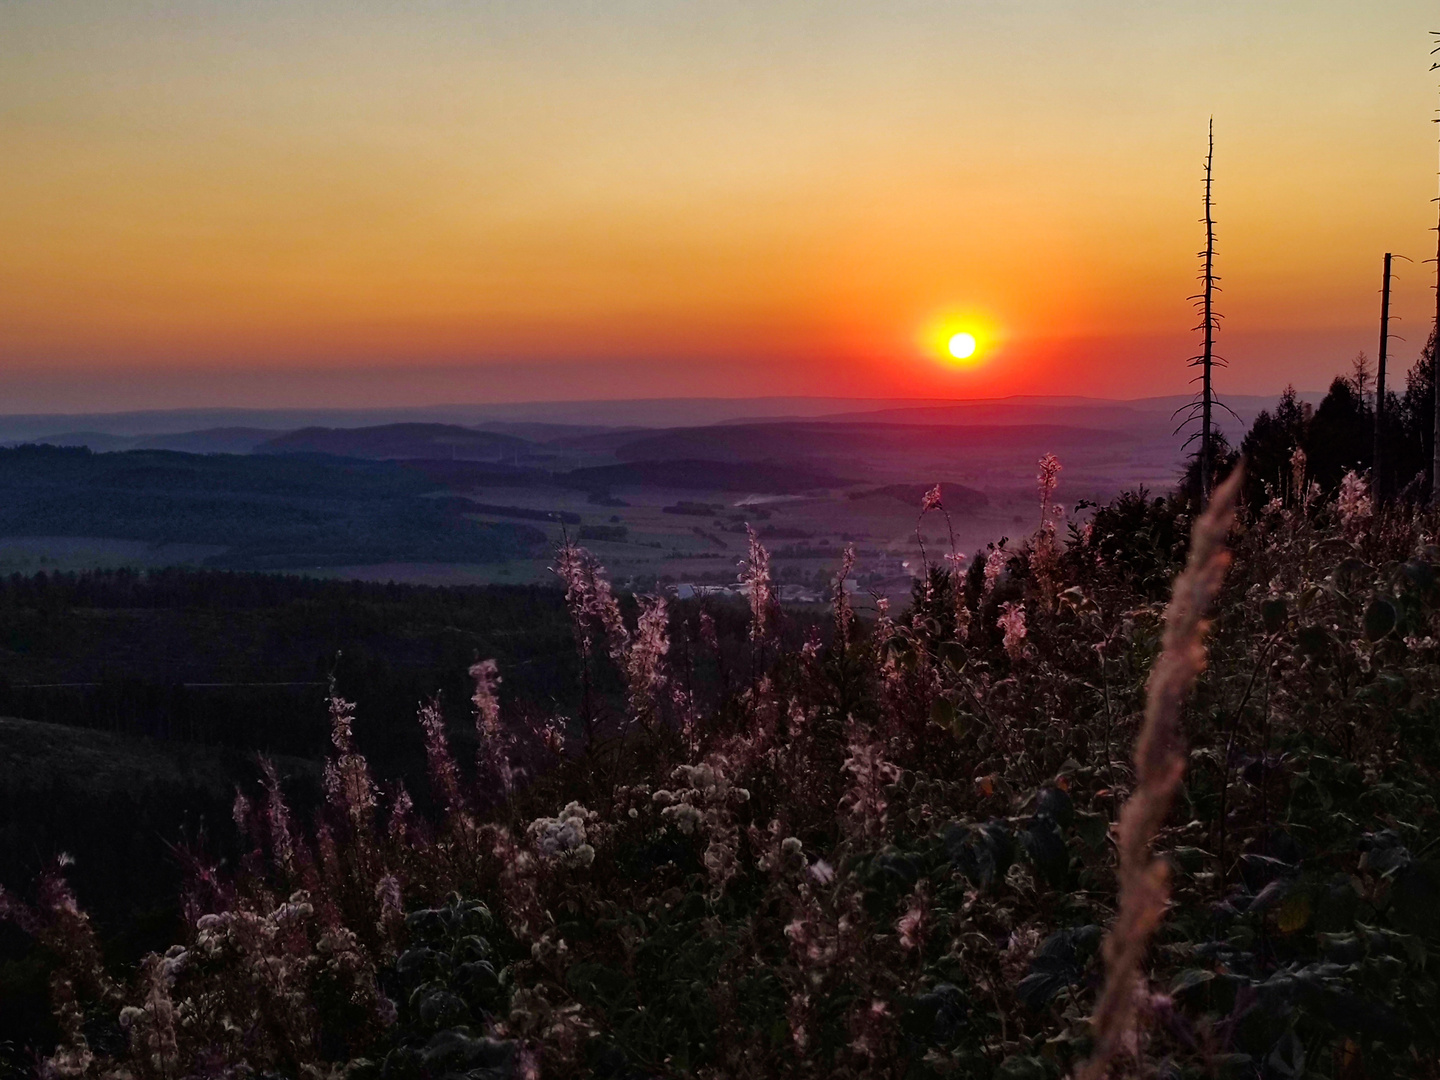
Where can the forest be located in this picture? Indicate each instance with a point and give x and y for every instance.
(267, 511)
(633, 838)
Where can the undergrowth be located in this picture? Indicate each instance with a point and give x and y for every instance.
(888, 853)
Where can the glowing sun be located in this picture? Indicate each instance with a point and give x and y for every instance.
(962, 346)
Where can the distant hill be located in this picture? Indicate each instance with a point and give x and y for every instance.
(395, 441)
(696, 475)
(466, 475)
(222, 440)
(797, 440)
(225, 440)
(266, 511)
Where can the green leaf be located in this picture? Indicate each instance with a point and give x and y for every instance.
(1380, 619)
(1273, 613)
(1312, 641)
(953, 653)
(1189, 979)
(942, 712)
(1421, 573)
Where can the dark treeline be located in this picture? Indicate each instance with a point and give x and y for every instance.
(1338, 435)
(259, 512)
(243, 660)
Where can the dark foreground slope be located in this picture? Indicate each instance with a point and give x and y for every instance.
(884, 854)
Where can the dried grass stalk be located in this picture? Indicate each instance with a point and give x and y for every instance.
(1159, 766)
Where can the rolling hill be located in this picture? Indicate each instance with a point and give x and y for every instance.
(395, 441)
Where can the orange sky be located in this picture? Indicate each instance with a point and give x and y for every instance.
(291, 203)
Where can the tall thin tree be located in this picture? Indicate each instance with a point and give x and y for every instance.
(1435, 370)
(1378, 465)
(1207, 361)
(1207, 357)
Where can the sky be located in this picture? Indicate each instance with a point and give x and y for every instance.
(366, 203)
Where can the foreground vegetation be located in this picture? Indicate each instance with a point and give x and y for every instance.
(886, 848)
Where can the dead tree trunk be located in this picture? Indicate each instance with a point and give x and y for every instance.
(1378, 466)
(1435, 378)
(1209, 323)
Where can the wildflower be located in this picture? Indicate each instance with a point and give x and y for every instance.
(400, 825)
(755, 571)
(1012, 624)
(931, 501)
(844, 614)
(864, 801)
(552, 736)
(486, 674)
(1297, 471)
(563, 837)
(1048, 479)
(821, 872)
(645, 658)
(994, 567)
(593, 609)
(1353, 502)
(240, 812)
(703, 807)
(277, 817)
(493, 755)
(392, 911)
(1045, 561)
(443, 773)
(912, 925)
(348, 787)
(707, 632)
(884, 625)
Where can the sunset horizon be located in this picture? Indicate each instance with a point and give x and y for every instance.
(306, 203)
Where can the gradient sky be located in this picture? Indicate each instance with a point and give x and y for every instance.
(382, 203)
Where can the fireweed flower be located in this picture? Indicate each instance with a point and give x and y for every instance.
(844, 613)
(1048, 480)
(994, 567)
(755, 572)
(645, 658)
(821, 872)
(1297, 472)
(1012, 624)
(277, 819)
(864, 801)
(349, 791)
(593, 609)
(1353, 502)
(493, 756)
(912, 925)
(443, 773)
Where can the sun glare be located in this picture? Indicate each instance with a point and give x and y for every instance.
(958, 339)
(962, 346)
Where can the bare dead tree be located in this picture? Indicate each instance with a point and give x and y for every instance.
(1203, 408)
(1435, 462)
(1378, 466)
